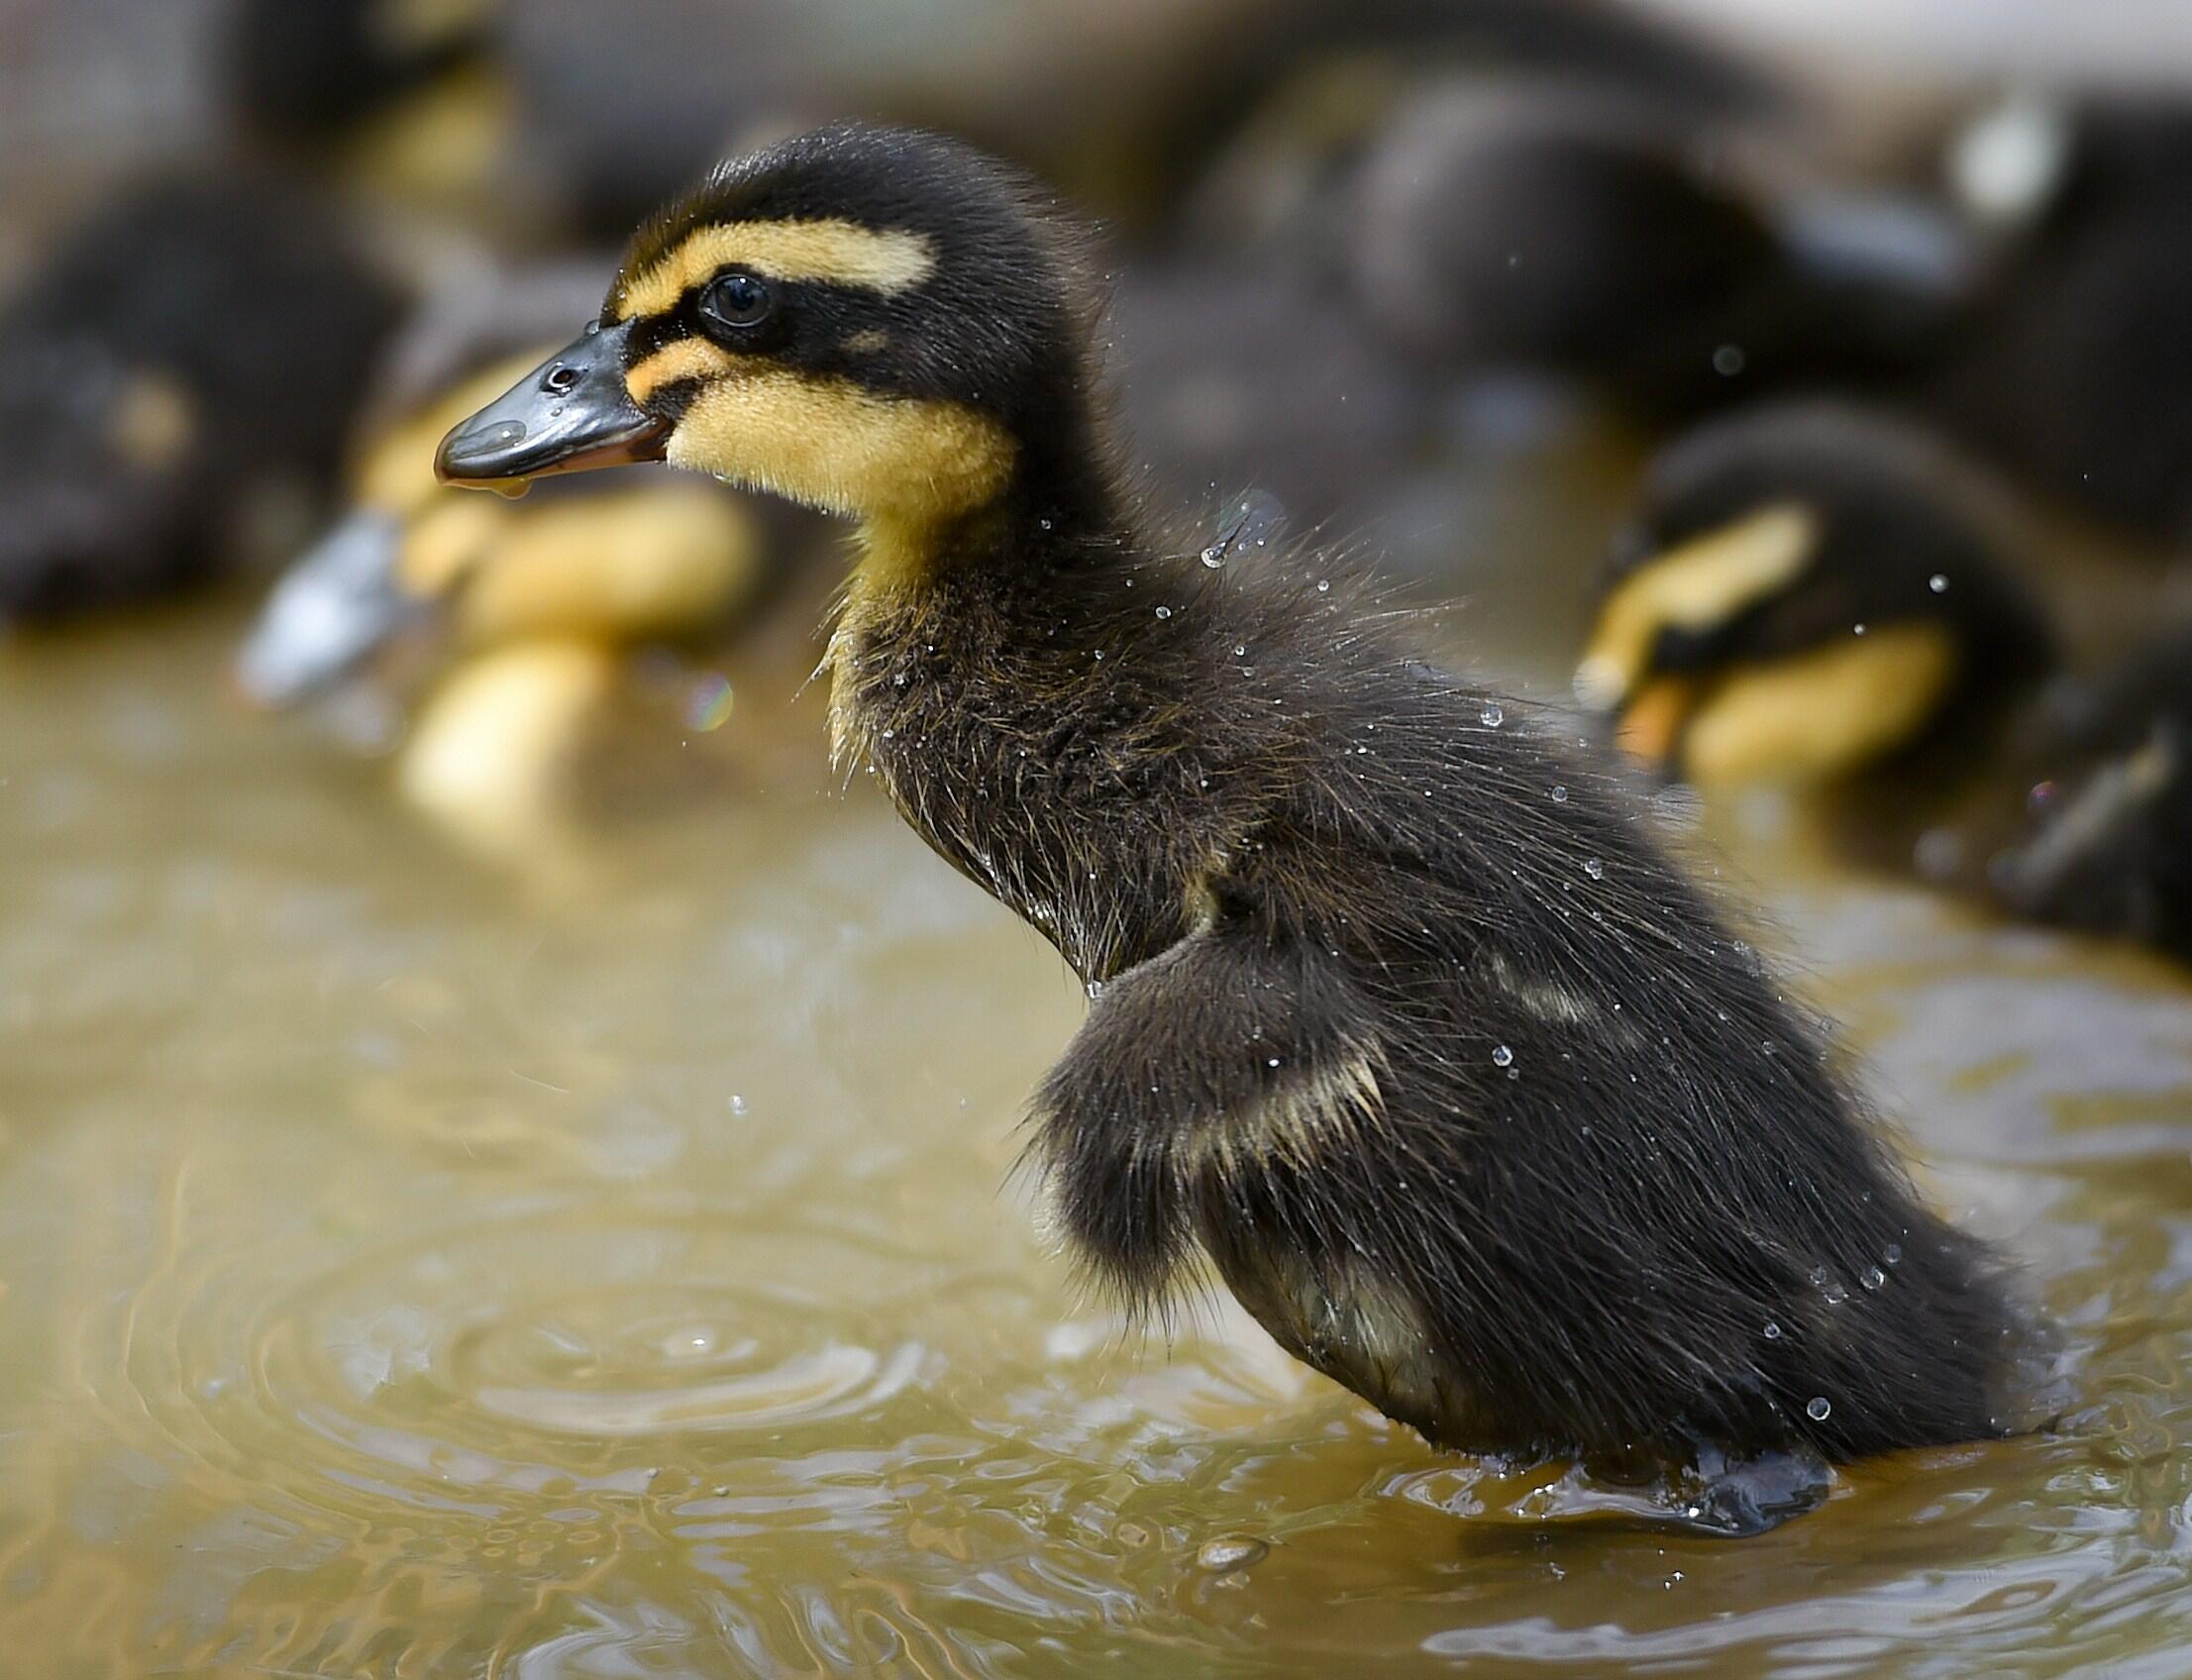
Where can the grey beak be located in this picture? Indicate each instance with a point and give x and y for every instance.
(569, 414)
(334, 606)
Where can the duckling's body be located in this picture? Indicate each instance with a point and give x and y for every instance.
(1830, 598)
(1398, 1014)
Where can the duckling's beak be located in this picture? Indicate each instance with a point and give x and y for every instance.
(333, 607)
(567, 415)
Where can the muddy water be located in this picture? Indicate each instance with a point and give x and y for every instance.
(408, 1268)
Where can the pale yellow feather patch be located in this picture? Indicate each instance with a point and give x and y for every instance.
(662, 559)
(489, 755)
(1821, 714)
(837, 253)
(1692, 588)
(1294, 1123)
(682, 358)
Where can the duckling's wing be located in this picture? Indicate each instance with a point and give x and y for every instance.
(1217, 1097)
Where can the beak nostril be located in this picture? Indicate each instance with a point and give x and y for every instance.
(559, 379)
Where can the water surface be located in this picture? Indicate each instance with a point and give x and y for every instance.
(411, 1268)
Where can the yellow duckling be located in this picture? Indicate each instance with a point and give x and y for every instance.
(532, 611)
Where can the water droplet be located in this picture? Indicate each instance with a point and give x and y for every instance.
(1818, 1407)
(1819, 1276)
(1272, 1062)
(1239, 649)
(1560, 794)
(1727, 361)
(1164, 613)
(1892, 1254)
(1836, 1293)
(1773, 1331)
(1594, 869)
(1938, 582)
(1856, 629)
(1872, 1277)
(1502, 1057)
(1493, 715)
(738, 1103)
(1214, 556)
(708, 705)
(1323, 585)
(1231, 1551)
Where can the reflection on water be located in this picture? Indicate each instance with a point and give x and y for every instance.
(404, 1272)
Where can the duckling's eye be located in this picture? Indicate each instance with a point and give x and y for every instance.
(736, 303)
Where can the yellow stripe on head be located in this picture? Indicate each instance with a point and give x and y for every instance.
(680, 359)
(1821, 714)
(834, 251)
(1701, 584)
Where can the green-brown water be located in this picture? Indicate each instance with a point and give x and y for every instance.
(410, 1270)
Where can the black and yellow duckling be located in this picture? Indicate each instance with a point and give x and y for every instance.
(1569, 227)
(521, 619)
(1398, 1014)
(1828, 598)
(181, 370)
(407, 100)
(1810, 592)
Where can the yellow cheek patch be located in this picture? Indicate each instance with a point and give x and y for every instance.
(1692, 588)
(683, 359)
(1823, 716)
(152, 421)
(839, 253)
(832, 445)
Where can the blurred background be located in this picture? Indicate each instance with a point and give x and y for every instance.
(504, 1157)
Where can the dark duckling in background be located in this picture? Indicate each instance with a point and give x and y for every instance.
(154, 447)
(1569, 227)
(1828, 597)
(2073, 368)
(1398, 1014)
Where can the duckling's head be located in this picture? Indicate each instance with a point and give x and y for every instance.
(874, 322)
(1805, 592)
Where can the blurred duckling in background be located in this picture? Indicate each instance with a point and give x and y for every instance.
(521, 619)
(1828, 599)
(181, 371)
(404, 100)
(2074, 366)
(1571, 229)
(1398, 1014)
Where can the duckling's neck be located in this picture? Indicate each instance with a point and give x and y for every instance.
(1058, 514)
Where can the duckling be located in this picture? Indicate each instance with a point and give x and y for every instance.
(153, 445)
(1813, 592)
(2074, 366)
(532, 609)
(1833, 598)
(409, 100)
(1563, 227)
(1400, 1015)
